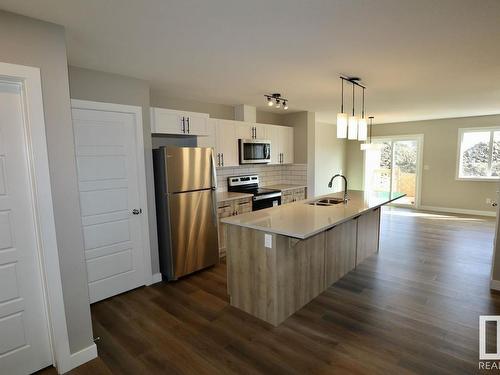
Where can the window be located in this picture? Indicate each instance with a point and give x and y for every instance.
(479, 156)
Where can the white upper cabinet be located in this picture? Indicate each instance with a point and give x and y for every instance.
(287, 145)
(248, 130)
(168, 121)
(281, 138)
(210, 139)
(226, 144)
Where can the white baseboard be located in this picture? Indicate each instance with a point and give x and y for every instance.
(458, 211)
(79, 358)
(156, 278)
(495, 284)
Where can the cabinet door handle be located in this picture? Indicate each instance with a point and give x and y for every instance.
(222, 156)
(218, 159)
(137, 211)
(183, 125)
(187, 119)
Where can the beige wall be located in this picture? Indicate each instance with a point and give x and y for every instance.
(97, 86)
(354, 165)
(40, 44)
(329, 158)
(299, 122)
(304, 124)
(439, 186)
(270, 118)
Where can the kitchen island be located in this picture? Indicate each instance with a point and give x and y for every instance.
(280, 258)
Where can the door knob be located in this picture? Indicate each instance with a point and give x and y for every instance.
(136, 211)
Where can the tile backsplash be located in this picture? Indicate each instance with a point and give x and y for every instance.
(268, 174)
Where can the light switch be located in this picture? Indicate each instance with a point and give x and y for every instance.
(268, 241)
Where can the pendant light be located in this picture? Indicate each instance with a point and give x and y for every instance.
(342, 117)
(362, 126)
(352, 124)
(368, 146)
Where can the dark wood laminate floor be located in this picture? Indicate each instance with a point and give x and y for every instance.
(413, 308)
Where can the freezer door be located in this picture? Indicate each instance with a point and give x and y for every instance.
(189, 168)
(193, 224)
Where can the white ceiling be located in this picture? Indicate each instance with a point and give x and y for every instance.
(420, 59)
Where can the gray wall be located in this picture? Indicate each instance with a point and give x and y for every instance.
(97, 86)
(35, 43)
(162, 99)
(439, 186)
(329, 158)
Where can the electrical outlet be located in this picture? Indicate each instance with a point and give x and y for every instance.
(268, 241)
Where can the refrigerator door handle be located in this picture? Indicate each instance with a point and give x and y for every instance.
(214, 173)
(183, 125)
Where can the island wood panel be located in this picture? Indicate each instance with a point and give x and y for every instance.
(301, 272)
(251, 273)
(273, 283)
(340, 251)
(368, 235)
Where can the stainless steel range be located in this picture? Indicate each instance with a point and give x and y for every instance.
(262, 197)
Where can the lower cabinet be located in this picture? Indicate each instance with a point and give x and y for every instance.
(340, 252)
(293, 195)
(368, 235)
(226, 209)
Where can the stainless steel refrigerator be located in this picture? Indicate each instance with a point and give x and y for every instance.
(185, 184)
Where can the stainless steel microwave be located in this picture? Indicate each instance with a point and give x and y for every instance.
(254, 151)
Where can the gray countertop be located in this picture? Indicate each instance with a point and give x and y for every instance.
(301, 220)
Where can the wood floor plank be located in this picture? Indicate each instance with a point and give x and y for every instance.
(413, 308)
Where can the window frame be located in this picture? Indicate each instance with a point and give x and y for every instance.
(461, 132)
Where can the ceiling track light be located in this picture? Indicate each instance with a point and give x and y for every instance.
(277, 100)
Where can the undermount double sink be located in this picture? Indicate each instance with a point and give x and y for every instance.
(328, 201)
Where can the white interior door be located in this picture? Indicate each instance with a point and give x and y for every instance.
(24, 336)
(115, 239)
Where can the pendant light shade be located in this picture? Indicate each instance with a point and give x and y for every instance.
(369, 145)
(352, 128)
(342, 117)
(352, 124)
(341, 125)
(362, 129)
(362, 126)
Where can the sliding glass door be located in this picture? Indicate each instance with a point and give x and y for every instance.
(395, 166)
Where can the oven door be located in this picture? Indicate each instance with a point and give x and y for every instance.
(260, 202)
(254, 151)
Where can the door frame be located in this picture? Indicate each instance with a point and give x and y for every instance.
(141, 168)
(47, 251)
(420, 159)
